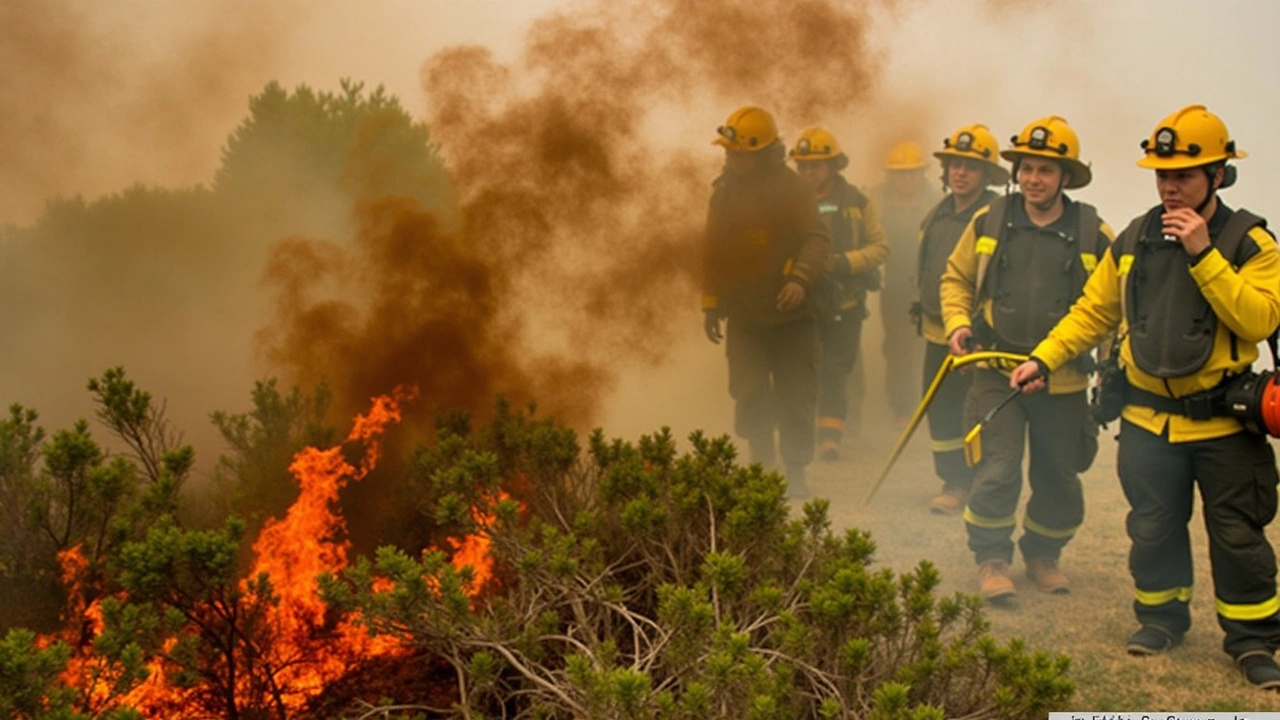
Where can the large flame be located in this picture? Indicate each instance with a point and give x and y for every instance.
(308, 648)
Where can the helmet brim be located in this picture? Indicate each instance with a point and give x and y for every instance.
(1151, 161)
(1081, 174)
(999, 175)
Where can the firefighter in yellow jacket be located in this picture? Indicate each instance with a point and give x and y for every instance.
(1192, 286)
(1020, 264)
(970, 163)
(858, 249)
(765, 248)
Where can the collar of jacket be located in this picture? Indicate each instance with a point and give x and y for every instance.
(948, 208)
(1064, 225)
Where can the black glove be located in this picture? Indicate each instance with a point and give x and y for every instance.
(840, 264)
(711, 325)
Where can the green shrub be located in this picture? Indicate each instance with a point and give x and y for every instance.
(638, 581)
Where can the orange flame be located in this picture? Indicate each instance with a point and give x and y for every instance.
(308, 649)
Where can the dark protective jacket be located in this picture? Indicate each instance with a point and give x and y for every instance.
(939, 232)
(1019, 279)
(763, 230)
(1242, 291)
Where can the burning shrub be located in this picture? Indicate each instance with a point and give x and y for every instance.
(641, 582)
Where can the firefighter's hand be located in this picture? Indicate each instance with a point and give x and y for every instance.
(711, 326)
(790, 297)
(1029, 376)
(961, 341)
(1190, 229)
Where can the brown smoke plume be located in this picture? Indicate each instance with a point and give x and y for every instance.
(574, 254)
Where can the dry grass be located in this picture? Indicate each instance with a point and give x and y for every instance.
(1091, 624)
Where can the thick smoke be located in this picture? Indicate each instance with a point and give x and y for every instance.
(574, 254)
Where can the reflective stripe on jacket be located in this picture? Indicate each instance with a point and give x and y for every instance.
(1246, 301)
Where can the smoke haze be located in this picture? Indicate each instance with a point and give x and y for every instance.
(577, 134)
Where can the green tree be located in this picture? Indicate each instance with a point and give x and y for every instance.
(305, 155)
(253, 477)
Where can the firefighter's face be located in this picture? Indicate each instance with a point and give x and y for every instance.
(1186, 187)
(1039, 179)
(817, 173)
(964, 176)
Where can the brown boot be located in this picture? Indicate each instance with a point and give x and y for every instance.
(994, 582)
(1047, 576)
(949, 502)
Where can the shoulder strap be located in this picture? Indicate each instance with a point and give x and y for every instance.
(1231, 243)
(1127, 244)
(932, 215)
(988, 243)
(1088, 231)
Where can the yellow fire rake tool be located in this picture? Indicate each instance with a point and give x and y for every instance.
(950, 363)
(973, 440)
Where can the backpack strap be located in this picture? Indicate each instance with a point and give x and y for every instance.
(986, 244)
(1089, 236)
(1233, 246)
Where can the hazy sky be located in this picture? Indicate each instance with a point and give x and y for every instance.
(100, 95)
(1112, 68)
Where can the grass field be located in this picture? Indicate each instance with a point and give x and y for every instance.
(1090, 624)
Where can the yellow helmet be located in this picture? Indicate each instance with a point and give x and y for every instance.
(976, 143)
(816, 144)
(1191, 137)
(748, 129)
(905, 155)
(1052, 138)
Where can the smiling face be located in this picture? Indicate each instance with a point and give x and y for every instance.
(1185, 187)
(1039, 180)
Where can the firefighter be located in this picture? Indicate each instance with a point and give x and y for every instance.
(970, 163)
(903, 199)
(1017, 268)
(766, 246)
(1192, 287)
(858, 249)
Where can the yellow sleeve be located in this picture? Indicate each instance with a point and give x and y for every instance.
(875, 250)
(960, 278)
(1093, 317)
(1247, 301)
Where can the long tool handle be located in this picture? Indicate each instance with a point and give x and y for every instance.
(950, 363)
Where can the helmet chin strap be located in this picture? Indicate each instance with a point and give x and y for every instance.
(1212, 173)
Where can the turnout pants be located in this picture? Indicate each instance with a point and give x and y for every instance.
(1054, 428)
(946, 420)
(840, 342)
(773, 379)
(1237, 479)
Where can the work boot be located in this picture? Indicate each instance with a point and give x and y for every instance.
(797, 488)
(829, 451)
(1044, 571)
(950, 501)
(1260, 669)
(1152, 640)
(994, 582)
